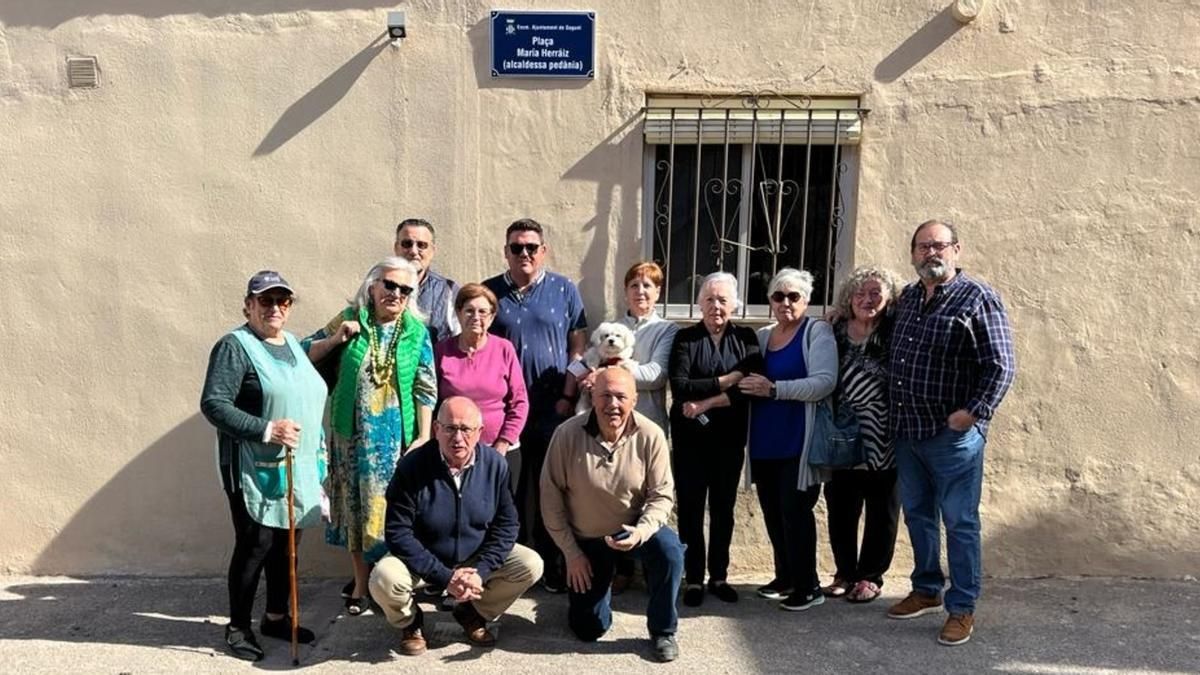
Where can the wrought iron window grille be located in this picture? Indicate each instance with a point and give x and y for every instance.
(749, 183)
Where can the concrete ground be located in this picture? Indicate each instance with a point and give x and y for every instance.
(145, 625)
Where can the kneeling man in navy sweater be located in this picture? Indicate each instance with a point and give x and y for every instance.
(451, 522)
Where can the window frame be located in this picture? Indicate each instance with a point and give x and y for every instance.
(849, 156)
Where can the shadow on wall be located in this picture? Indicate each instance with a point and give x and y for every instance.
(480, 38)
(51, 13)
(321, 99)
(1092, 535)
(615, 188)
(163, 513)
(918, 46)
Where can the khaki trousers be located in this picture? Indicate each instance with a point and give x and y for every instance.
(392, 584)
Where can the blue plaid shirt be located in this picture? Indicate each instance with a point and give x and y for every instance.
(954, 352)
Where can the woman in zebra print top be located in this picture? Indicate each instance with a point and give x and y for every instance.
(862, 334)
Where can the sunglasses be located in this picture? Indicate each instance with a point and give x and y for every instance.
(268, 301)
(393, 287)
(780, 296)
(409, 243)
(529, 249)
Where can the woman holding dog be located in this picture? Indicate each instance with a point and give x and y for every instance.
(863, 330)
(485, 369)
(652, 340)
(799, 369)
(708, 428)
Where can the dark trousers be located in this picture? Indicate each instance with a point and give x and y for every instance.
(256, 549)
(791, 525)
(589, 615)
(845, 497)
(711, 476)
(532, 531)
(513, 458)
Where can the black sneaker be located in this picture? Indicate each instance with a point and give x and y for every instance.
(723, 591)
(665, 648)
(242, 643)
(776, 590)
(348, 590)
(693, 595)
(281, 629)
(554, 581)
(798, 602)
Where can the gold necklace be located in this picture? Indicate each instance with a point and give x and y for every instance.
(381, 369)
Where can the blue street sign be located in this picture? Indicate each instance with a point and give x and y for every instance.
(543, 44)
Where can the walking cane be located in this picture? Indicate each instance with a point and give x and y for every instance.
(295, 592)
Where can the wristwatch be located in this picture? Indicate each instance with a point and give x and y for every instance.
(774, 391)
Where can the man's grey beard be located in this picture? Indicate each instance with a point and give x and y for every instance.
(933, 270)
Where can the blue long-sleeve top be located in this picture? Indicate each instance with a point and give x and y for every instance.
(434, 526)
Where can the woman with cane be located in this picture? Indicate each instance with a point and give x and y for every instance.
(266, 401)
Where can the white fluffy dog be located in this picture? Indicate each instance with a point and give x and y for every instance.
(611, 345)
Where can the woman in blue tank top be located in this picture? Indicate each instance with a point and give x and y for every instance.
(799, 368)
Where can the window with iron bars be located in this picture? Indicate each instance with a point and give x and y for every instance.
(749, 184)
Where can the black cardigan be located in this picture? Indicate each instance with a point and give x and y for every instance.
(695, 364)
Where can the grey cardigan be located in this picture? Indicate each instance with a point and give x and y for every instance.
(821, 360)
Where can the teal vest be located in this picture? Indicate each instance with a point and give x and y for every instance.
(408, 352)
(297, 393)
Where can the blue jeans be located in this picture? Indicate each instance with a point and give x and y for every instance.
(589, 614)
(942, 477)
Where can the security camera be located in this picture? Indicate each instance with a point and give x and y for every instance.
(397, 26)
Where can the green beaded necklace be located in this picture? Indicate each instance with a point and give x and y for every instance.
(381, 369)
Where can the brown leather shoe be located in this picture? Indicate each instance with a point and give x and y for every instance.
(474, 625)
(916, 604)
(412, 640)
(957, 629)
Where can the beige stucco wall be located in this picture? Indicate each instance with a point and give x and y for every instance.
(1059, 133)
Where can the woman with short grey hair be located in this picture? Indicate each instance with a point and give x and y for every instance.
(708, 428)
(381, 407)
(863, 330)
(799, 357)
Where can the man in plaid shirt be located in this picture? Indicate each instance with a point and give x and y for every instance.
(951, 364)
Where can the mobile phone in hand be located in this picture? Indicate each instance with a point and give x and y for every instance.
(621, 536)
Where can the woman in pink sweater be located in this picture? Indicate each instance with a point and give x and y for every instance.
(485, 369)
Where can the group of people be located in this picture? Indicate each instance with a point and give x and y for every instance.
(452, 436)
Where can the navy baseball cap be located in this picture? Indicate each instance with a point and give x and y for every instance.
(265, 280)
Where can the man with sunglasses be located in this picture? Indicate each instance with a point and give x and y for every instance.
(451, 523)
(951, 363)
(542, 314)
(435, 296)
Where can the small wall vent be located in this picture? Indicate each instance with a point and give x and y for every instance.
(83, 72)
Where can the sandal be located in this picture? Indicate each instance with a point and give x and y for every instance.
(864, 591)
(837, 589)
(358, 606)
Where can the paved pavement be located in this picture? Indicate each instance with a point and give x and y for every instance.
(146, 625)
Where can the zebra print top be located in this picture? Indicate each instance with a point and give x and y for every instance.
(863, 384)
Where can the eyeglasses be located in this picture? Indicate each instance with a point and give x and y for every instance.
(935, 246)
(473, 312)
(409, 243)
(529, 249)
(862, 295)
(393, 287)
(780, 296)
(453, 430)
(268, 301)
